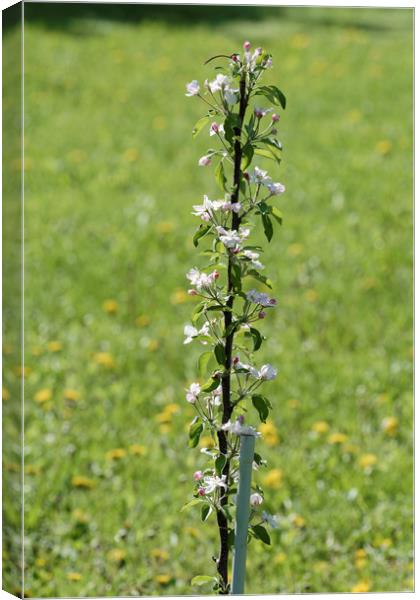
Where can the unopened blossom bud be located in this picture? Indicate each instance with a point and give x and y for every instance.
(259, 113)
(241, 419)
(235, 57)
(274, 131)
(275, 117)
(204, 161)
(272, 301)
(247, 46)
(201, 491)
(258, 51)
(214, 127)
(198, 475)
(192, 292)
(215, 275)
(246, 175)
(256, 499)
(235, 360)
(261, 314)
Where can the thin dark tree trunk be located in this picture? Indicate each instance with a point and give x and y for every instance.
(223, 560)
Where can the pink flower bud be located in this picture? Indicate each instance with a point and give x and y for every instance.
(261, 314)
(214, 127)
(215, 275)
(241, 419)
(198, 475)
(204, 161)
(258, 113)
(192, 292)
(272, 301)
(201, 491)
(235, 57)
(275, 117)
(235, 360)
(246, 175)
(247, 46)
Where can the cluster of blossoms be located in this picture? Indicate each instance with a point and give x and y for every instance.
(228, 307)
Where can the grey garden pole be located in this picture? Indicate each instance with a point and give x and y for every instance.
(246, 458)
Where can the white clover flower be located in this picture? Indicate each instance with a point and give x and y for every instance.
(193, 88)
(260, 298)
(256, 500)
(267, 372)
(276, 188)
(212, 482)
(191, 332)
(193, 392)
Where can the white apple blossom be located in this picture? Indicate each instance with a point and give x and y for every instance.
(215, 397)
(191, 332)
(260, 298)
(231, 96)
(219, 83)
(204, 210)
(215, 129)
(193, 392)
(276, 188)
(253, 257)
(204, 161)
(256, 500)
(267, 372)
(201, 280)
(193, 88)
(259, 176)
(239, 429)
(212, 482)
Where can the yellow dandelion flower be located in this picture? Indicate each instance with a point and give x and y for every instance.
(390, 426)
(337, 438)
(73, 576)
(269, 433)
(383, 147)
(80, 516)
(273, 479)
(192, 531)
(311, 295)
(115, 454)
(159, 123)
(206, 441)
(82, 482)
(54, 346)
(137, 450)
(153, 345)
(21, 371)
(295, 249)
(131, 155)
(360, 563)
(354, 115)
(293, 403)
(110, 306)
(142, 320)
(32, 470)
(117, 555)
(280, 558)
(71, 395)
(300, 41)
(350, 448)
(179, 297)
(163, 417)
(104, 359)
(159, 554)
(321, 566)
(383, 398)
(40, 562)
(36, 350)
(298, 521)
(361, 587)
(172, 408)
(165, 227)
(320, 427)
(163, 578)
(5, 394)
(318, 67)
(165, 428)
(366, 461)
(43, 395)
(380, 542)
(369, 283)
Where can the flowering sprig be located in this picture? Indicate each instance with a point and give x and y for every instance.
(224, 318)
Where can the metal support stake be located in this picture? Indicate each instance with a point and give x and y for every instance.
(246, 458)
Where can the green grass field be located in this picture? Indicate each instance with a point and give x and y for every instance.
(110, 173)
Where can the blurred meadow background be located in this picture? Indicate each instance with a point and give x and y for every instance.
(111, 174)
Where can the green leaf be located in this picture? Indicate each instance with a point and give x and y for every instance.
(202, 579)
(205, 512)
(247, 154)
(257, 337)
(195, 315)
(190, 504)
(268, 227)
(231, 538)
(231, 122)
(260, 404)
(199, 125)
(220, 176)
(203, 361)
(258, 458)
(278, 215)
(220, 464)
(273, 94)
(261, 278)
(261, 533)
(236, 274)
(201, 232)
(266, 154)
(196, 429)
(210, 385)
(219, 352)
